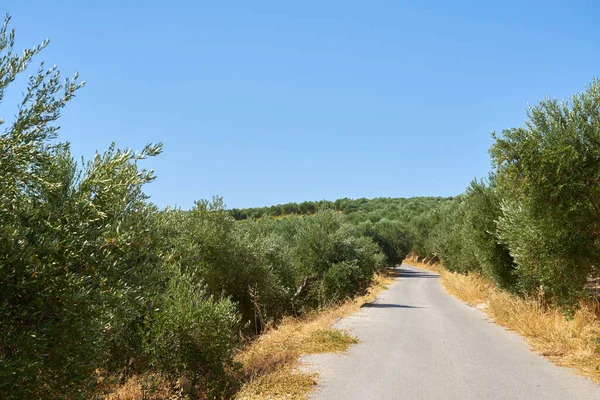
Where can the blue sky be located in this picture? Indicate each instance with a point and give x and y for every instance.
(266, 102)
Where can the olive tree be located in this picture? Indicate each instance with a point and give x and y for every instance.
(548, 176)
(74, 243)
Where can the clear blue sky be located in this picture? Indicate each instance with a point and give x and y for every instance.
(263, 102)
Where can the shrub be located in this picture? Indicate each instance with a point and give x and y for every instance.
(447, 238)
(341, 280)
(229, 259)
(328, 252)
(193, 335)
(480, 233)
(392, 236)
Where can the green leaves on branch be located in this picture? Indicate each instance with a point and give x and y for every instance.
(76, 260)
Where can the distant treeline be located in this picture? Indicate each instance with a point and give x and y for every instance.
(304, 208)
(344, 205)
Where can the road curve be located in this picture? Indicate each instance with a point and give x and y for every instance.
(418, 342)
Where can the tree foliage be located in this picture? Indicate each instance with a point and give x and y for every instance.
(534, 227)
(549, 180)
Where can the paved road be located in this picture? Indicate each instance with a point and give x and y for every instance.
(417, 342)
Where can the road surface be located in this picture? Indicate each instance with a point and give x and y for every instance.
(418, 342)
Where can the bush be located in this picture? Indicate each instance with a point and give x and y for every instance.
(193, 335)
(229, 259)
(328, 252)
(341, 280)
(391, 235)
(447, 238)
(480, 233)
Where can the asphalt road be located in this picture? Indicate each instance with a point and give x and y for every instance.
(418, 342)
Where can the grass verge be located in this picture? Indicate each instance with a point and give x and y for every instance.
(270, 362)
(147, 387)
(571, 342)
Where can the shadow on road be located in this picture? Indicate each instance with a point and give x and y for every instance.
(385, 305)
(405, 273)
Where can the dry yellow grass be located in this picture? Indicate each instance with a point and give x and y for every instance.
(282, 383)
(571, 342)
(148, 387)
(270, 362)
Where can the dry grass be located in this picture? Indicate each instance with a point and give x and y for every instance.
(147, 387)
(571, 342)
(270, 362)
(282, 383)
(473, 288)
